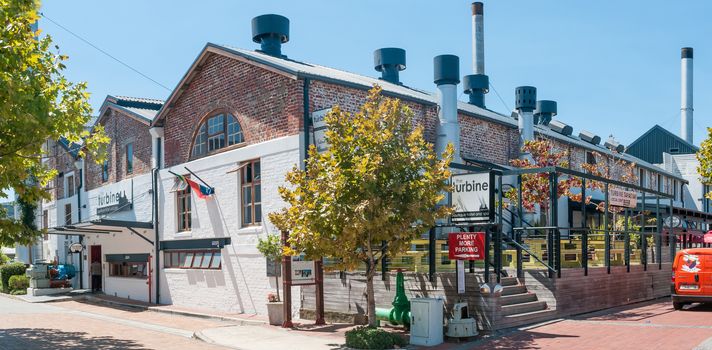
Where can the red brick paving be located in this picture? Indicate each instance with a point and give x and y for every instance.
(653, 325)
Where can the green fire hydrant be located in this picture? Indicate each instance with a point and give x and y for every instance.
(399, 314)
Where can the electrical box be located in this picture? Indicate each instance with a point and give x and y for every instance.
(461, 325)
(426, 321)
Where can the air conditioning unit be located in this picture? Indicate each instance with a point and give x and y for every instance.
(426, 321)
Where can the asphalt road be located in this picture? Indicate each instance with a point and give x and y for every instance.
(79, 325)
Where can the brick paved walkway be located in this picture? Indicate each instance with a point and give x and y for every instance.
(75, 325)
(652, 325)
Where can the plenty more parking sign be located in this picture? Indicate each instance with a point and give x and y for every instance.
(472, 197)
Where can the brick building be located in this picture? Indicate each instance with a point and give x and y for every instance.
(236, 123)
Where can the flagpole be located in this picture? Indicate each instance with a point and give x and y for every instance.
(173, 173)
(198, 177)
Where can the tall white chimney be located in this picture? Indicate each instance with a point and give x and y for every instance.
(686, 95)
(525, 103)
(478, 38)
(446, 76)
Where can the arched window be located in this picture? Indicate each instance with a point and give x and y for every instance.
(217, 131)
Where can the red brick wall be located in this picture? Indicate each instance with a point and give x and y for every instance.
(267, 105)
(122, 129)
(488, 141)
(63, 162)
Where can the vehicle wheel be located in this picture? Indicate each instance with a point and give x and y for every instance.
(677, 306)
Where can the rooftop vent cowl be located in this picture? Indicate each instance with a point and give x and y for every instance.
(389, 61)
(525, 97)
(589, 137)
(271, 31)
(545, 110)
(476, 85)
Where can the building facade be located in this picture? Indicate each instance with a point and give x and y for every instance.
(237, 122)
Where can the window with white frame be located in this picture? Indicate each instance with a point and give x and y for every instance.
(129, 158)
(193, 259)
(217, 131)
(251, 194)
(69, 186)
(68, 214)
(183, 206)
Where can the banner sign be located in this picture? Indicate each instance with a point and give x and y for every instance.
(466, 245)
(113, 198)
(472, 197)
(302, 271)
(319, 130)
(622, 198)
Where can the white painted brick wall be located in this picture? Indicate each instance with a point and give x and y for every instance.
(241, 286)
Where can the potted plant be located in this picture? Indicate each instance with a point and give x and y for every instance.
(271, 249)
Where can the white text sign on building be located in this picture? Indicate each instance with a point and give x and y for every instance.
(319, 129)
(114, 198)
(622, 198)
(471, 197)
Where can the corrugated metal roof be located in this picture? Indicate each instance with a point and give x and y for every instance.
(651, 145)
(151, 103)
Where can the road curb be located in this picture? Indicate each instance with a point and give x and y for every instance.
(202, 337)
(237, 321)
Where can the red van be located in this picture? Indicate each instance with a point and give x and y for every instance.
(692, 277)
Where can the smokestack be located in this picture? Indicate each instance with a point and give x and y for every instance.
(525, 103)
(389, 61)
(446, 76)
(686, 105)
(478, 38)
(270, 31)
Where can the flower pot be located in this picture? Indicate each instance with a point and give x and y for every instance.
(275, 311)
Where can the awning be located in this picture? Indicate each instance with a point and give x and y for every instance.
(202, 243)
(102, 226)
(127, 257)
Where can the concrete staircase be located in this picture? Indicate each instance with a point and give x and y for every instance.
(520, 306)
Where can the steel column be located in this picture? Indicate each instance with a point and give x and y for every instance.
(606, 236)
(553, 206)
(627, 240)
(643, 241)
(431, 255)
(672, 238)
(487, 257)
(584, 232)
(518, 234)
(659, 235)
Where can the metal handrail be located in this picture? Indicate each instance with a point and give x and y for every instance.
(510, 241)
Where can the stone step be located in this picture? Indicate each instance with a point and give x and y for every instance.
(526, 318)
(508, 281)
(517, 298)
(516, 289)
(523, 308)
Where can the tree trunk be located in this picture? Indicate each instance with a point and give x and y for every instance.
(370, 297)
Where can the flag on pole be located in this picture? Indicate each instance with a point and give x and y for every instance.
(201, 190)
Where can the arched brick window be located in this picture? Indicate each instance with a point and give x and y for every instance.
(217, 131)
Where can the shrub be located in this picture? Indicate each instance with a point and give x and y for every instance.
(9, 270)
(19, 283)
(366, 337)
(4, 259)
(19, 292)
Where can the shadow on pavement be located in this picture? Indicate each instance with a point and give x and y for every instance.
(521, 340)
(43, 338)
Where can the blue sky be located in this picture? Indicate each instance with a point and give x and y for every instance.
(612, 66)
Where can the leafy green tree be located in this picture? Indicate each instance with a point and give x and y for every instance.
(37, 103)
(271, 249)
(704, 156)
(371, 193)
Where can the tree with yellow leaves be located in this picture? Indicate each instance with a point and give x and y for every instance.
(374, 190)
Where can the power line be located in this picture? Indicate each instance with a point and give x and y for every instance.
(104, 52)
(509, 110)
